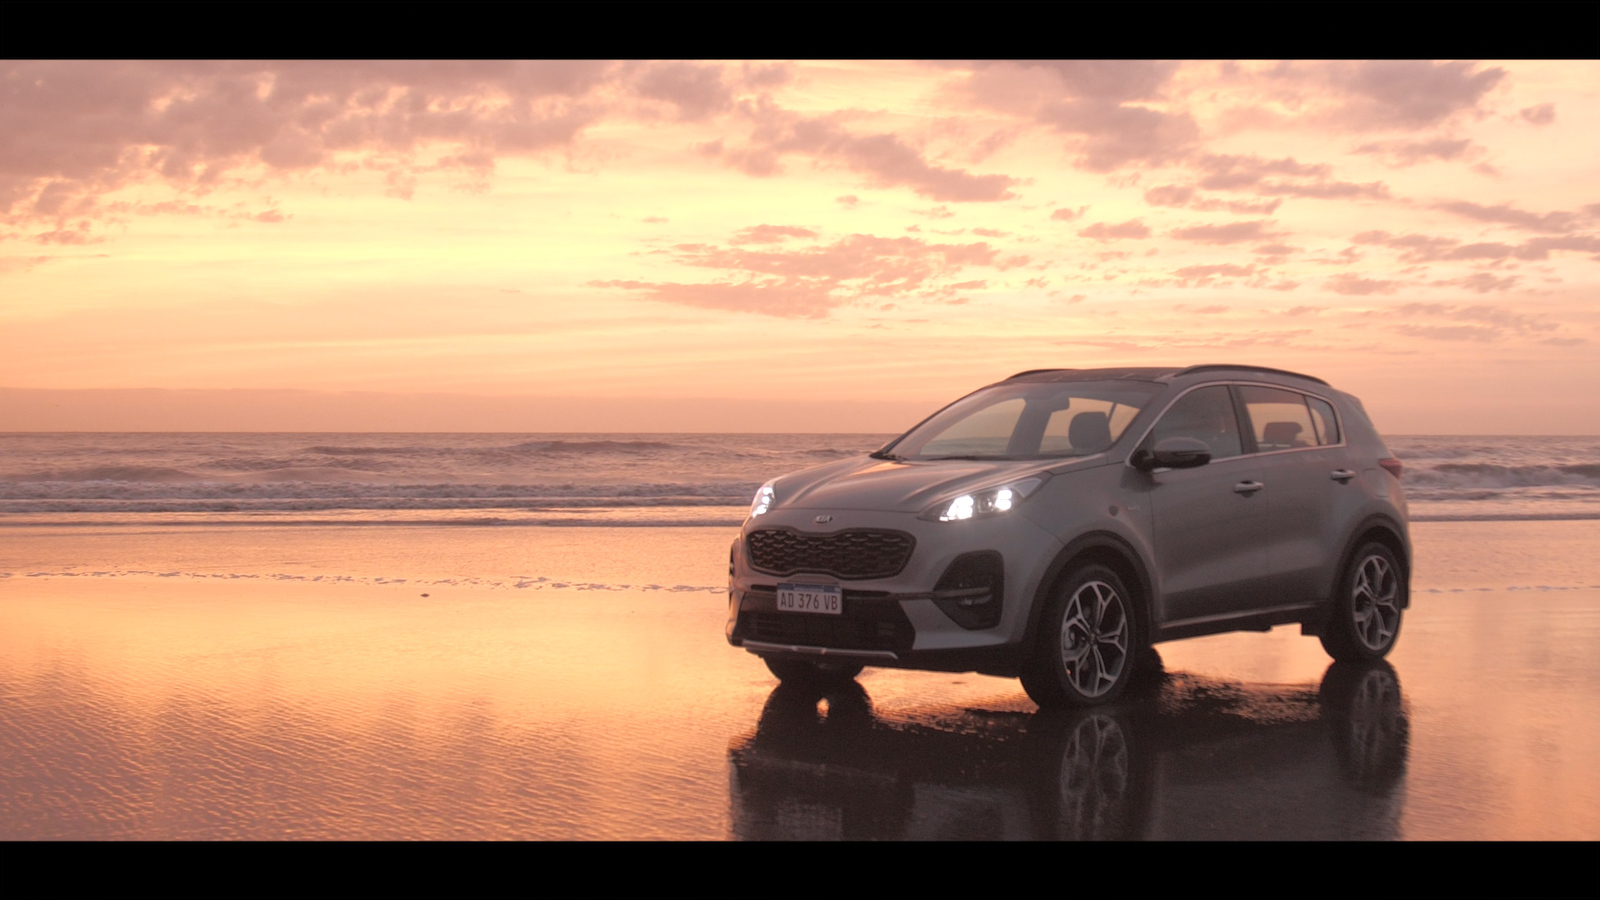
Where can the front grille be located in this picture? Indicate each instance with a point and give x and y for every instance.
(846, 554)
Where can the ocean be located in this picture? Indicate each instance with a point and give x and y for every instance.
(603, 479)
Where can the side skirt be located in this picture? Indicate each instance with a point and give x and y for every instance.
(1255, 621)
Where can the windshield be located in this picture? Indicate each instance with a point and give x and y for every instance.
(1036, 420)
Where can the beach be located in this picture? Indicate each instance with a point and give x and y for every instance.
(374, 434)
(527, 682)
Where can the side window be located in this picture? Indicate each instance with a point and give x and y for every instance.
(1279, 419)
(1206, 414)
(1327, 423)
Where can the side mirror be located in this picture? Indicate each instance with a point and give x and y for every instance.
(1172, 453)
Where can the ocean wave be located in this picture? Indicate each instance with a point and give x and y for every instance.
(353, 451)
(1498, 475)
(594, 446)
(277, 463)
(1563, 516)
(127, 473)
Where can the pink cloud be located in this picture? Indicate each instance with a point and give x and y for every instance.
(1379, 94)
(1100, 231)
(1231, 233)
(886, 159)
(1480, 282)
(1543, 114)
(811, 281)
(770, 234)
(1326, 190)
(697, 91)
(1426, 248)
(1169, 195)
(1347, 283)
(1213, 271)
(1232, 172)
(1506, 214)
(1401, 154)
(1275, 250)
(76, 128)
(1467, 323)
(1096, 102)
(1414, 93)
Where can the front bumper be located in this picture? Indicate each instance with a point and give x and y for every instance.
(895, 621)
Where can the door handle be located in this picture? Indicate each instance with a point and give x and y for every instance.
(1247, 487)
(1342, 476)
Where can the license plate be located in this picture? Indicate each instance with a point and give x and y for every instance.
(811, 598)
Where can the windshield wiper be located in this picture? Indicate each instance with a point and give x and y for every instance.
(969, 457)
(883, 454)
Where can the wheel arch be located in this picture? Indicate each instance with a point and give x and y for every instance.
(1384, 530)
(1107, 549)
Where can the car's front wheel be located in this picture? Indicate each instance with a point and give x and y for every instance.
(816, 673)
(1365, 620)
(1087, 643)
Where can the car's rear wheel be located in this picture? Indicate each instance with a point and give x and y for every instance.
(1087, 643)
(819, 673)
(1365, 620)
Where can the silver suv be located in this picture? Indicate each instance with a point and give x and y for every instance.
(1055, 525)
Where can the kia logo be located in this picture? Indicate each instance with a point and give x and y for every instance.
(823, 520)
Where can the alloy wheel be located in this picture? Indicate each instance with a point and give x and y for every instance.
(1375, 603)
(1094, 638)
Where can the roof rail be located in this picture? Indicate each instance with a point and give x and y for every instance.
(1036, 371)
(1209, 368)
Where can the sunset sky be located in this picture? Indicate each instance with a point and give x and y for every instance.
(1425, 235)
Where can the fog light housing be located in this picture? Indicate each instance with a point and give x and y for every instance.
(972, 589)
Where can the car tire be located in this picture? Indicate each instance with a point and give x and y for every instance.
(1364, 622)
(1088, 641)
(817, 673)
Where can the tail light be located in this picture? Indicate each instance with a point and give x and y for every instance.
(1392, 465)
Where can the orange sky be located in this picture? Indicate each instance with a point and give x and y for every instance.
(1423, 234)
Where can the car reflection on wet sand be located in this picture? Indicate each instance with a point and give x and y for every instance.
(1181, 757)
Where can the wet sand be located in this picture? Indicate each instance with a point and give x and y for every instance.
(560, 683)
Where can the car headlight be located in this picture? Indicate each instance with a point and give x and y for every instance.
(763, 500)
(990, 502)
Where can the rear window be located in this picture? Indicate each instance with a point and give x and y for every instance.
(1288, 420)
(1327, 423)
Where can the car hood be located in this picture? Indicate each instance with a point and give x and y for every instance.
(887, 485)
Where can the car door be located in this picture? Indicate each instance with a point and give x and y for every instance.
(1210, 523)
(1305, 470)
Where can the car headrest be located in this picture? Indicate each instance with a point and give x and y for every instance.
(1090, 431)
(1283, 434)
